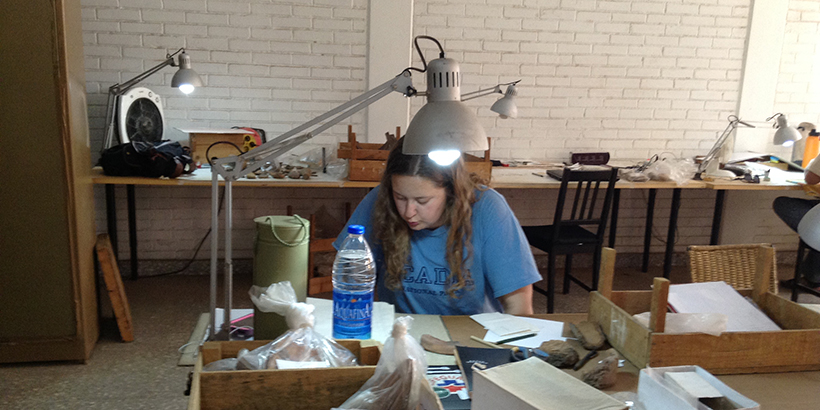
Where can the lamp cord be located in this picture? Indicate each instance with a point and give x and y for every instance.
(421, 55)
(204, 237)
(198, 247)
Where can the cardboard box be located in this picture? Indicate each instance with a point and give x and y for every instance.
(533, 384)
(795, 348)
(656, 392)
(367, 162)
(296, 389)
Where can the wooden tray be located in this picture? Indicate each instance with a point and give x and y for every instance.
(367, 162)
(795, 348)
(296, 389)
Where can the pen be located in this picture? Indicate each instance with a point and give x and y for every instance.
(514, 338)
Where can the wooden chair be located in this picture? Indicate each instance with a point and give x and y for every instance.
(319, 284)
(733, 264)
(798, 284)
(582, 231)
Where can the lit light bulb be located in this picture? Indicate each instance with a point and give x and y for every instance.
(186, 88)
(445, 157)
(788, 143)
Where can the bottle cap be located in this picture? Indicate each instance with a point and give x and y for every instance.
(355, 229)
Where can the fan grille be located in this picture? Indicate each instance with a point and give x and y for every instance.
(143, 121)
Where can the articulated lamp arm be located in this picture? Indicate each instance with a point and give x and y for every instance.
(235, 167)
(713, 153)
(487, 91)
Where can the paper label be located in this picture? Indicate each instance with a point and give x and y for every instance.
(290, 364)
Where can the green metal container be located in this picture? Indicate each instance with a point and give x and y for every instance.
(280, 252)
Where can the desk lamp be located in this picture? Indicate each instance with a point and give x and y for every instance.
(443, 128)
(785, 136)
(186, 79)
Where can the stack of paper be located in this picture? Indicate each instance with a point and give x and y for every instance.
(502, 326)
(719, 297)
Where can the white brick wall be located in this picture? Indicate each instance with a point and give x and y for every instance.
(633, 78)
(798, 86)
(593, 65)
(250, 54)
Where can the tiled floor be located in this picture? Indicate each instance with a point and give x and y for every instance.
(144, 374)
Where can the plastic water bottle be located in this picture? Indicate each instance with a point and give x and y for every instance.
(354, 277)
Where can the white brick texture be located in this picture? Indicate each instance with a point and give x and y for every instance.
(634, 78)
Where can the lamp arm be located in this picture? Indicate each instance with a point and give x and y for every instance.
(119, 89)
(234, 167)
(481, 93)
(486, 91)
(734, 121)
(718, 145)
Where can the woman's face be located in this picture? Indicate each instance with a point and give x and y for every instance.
(419, 201)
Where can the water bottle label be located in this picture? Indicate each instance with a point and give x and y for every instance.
(352, 315)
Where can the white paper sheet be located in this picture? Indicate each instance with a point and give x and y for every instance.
(719, 297)
(547, 330)
(503, 324)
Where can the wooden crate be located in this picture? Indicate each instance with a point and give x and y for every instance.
(367, 162)
(297, 389)
(200, 140)
(795, 348)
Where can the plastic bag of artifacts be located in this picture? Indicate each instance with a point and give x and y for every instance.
(319, 160)
(679, 170)
(299, 347)
(315, 158)
(399, 382)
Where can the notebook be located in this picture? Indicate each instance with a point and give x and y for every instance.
(466, 357)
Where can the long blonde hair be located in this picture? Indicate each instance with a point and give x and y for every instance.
(393, 233)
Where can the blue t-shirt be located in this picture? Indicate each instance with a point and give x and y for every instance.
(502, 261)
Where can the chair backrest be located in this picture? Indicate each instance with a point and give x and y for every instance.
(590, 203)
(733, 264)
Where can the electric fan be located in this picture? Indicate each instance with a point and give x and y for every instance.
(139, 116)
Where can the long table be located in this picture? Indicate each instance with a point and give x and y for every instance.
(503, 178)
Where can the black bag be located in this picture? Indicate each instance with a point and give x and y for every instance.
(144, 159)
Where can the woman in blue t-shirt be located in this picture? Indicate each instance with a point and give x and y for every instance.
(443, 242)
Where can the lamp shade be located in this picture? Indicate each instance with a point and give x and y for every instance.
(785, 135)
(186, 79)
(505, 106)
(444, 123)
(809, 228)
